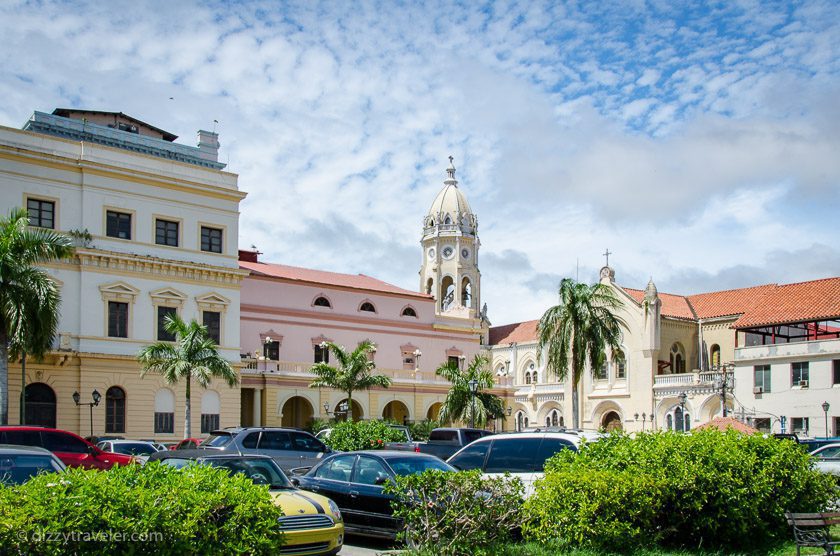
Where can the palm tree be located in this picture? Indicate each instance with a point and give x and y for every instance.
(194, 355)
(578, 331)
(460, 404)
(353, 372)
(29, 298)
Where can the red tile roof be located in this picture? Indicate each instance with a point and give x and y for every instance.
(788, 303)
(516, 332)
(354, 281)
(675, 306)
(724, 423)
(728, 302)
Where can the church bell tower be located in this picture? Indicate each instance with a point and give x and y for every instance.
(449, 270)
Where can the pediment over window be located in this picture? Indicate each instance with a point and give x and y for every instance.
(408, 348)
(320, 339)
(212, 302)
(454, 352)
(273, 334)
(118, 291)
(168, 295)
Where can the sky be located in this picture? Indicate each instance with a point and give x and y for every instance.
(698, 142)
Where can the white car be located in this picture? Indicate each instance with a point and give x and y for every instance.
(521, 454)
(140, 449)
(827, 458)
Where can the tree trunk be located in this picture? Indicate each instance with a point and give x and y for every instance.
(187, 412)
(23, 388)
(349, 415)
(575, 412)
(4, 379)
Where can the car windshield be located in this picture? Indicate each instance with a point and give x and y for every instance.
(829, 452)
(263, 471)
(133, 448)
(217, 440)
(411, 466)
(177, 463)
(17, 469)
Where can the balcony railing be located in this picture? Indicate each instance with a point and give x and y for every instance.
(704, 378)
(298, 369)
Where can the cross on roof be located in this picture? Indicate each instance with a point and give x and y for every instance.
(607, 254)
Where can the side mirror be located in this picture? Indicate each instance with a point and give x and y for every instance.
(295, 481)
(93, 450)
(381, 480)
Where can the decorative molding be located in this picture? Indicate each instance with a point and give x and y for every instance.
(118, 291)
(454, 352)
(274, 335)
(212, 302)
(320, 339)
(168, 297)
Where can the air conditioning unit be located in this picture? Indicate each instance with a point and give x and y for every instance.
(758, 390)
(803, 383)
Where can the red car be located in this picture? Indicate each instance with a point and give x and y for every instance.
(186, 444)
(71, 449)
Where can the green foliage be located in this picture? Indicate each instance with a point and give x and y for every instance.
(455, 513)
(705, 489)
(354, 371)
(347, 436)
(134, 510)
(421, 430)
(316, 425)
(578, 330)
(460, 404)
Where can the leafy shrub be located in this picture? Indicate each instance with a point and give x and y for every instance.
(704, 489)
(131, 509)
(316, 425)
(362, 435)
(456, 513)
(421, 430)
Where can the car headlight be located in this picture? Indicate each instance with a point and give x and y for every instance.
(335, 511)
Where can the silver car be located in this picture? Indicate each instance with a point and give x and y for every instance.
(827, 458)
(290, 448)
(18, 464)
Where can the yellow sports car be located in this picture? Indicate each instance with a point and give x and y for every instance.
(312, 523)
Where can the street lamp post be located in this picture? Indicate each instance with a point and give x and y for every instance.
(417, 354)
(825, 408)
(473, 387)
(682, 398)
(96, 397)
(724, 380)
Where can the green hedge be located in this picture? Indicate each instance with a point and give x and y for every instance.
(705, 489)
(456, 513)
(132, 509)
(347, 436)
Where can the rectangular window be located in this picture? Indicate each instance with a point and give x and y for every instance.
(117, 319)
(271, 350)
(211, 239)
(761, 375)
(800, 425)
(835, 371)
(602, 373)
(213, 321)
(762, 424)
(118, 224)
(409, 363)
(620, 368)
(799, 374)
(322, 354)
(164, 335)
(166, 232)
(41, 213)
(452, 360)
(209, 422)
(164, 422)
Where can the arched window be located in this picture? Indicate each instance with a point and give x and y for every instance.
(115, 409)
(715, 358)
(40, 405)
(533, 373)
(447, 293)
(521, 421)
(210, 407)
(447, 220)
(466, 292)
(322, 301)
(367, 306)
(430, 284)
(164, 411)
(678, 420)
(620, 364)
(527, 377)
(677, 358)
(553, 419)
(409, 312)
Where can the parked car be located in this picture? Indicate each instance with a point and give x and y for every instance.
(290, 448)
(140, 449)
(827, 458)
(312, 523)
(70, 448)
(443, 442)
(186, 444)
(522, 454)
(354, 480)
(18, 464)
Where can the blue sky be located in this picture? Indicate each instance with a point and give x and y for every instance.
(699, 142)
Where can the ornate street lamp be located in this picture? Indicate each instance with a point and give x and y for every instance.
(825, 408)
(473, 388)
(682, 398)
(96, 397)
(417, 354)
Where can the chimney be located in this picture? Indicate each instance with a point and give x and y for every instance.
(249, 255)
(208, 145)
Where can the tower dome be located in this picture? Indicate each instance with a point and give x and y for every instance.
(450, 211)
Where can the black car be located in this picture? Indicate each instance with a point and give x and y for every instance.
(353, 480)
